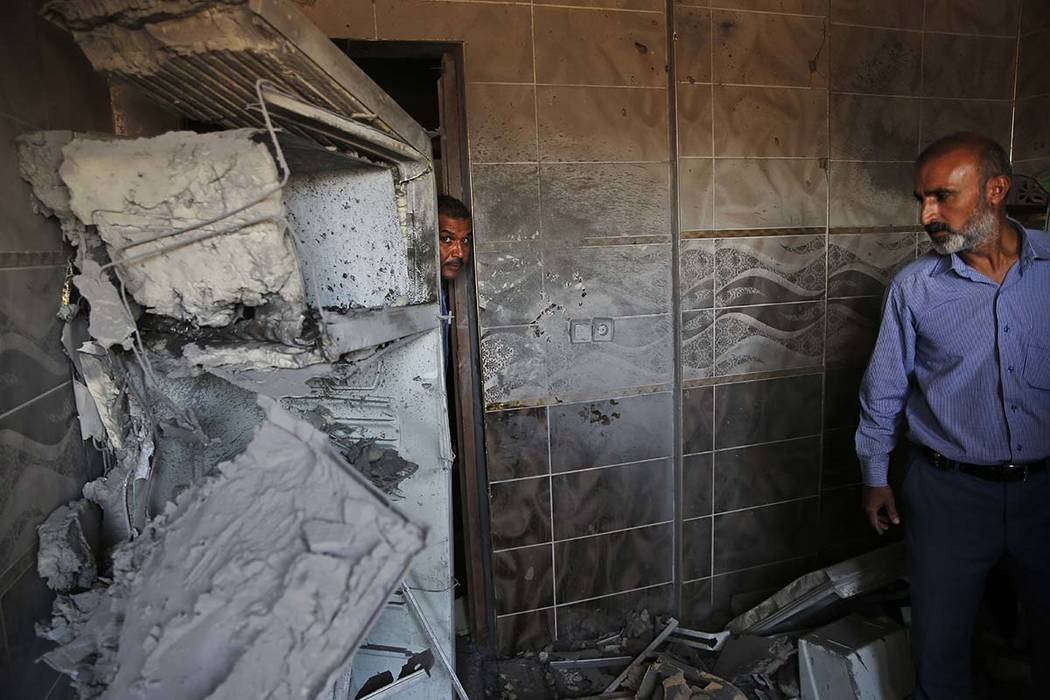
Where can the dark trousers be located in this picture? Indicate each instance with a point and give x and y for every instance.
(958, 528)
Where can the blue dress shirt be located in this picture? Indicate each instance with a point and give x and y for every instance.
(961, 363)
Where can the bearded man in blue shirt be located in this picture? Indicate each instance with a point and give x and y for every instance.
(961, 368)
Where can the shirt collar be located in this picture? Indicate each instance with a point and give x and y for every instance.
(1033, 247)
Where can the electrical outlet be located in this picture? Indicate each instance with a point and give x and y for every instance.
(580, 331)
(602, 330)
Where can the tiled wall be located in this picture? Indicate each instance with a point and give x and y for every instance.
(797, 123)
(45, 83)
(1032, 121)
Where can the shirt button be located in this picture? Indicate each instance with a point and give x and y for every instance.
(1006, 329)
(1010, 368)
(1019, 449)
(1013, 407)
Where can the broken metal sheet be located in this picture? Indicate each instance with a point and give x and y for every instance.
(134, 190)
(91, 427)
(259, 582)
(356, 330)
(105, 382)
(856, 659)
(68, 544)
(203, 57)
(813, 594)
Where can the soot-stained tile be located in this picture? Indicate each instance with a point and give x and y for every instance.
(506, 202)
(594, 619)
(761, 474)
(603, 200)
(512, 364)
(609, 280)
(529, 631)
(614, 431)
(520, 512)
(874, 127)
(904, 14)
(516, 443)
(501, 123)
(510, 287)
(769, 338)
(763, 411)
(602, 124)
(968, 66)
(853, 326)
(696, 485)
(863, 265)
(770, 122)
(593, 501)
(697, 424)
(698, 329)
(764, 535)
(697, 278)
(613, 563)
(769, 270)
(693, 48)
(523, 579)
(765, 49)
(770, 193)
(875, 61)
(696, 548)
(840, 465)
(872, 194)
(841, 397)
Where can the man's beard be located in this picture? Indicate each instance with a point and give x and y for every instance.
(980, 227)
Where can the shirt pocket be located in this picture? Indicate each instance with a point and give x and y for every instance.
(1037, 366)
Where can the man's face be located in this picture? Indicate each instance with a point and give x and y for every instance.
(954, 207)
(454, 239)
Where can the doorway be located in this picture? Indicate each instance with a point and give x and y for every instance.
(424, 78)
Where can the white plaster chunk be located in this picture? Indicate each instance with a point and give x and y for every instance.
(66, 559)
(110, 322)
(259, 582)
(39, 158)
(136, 189)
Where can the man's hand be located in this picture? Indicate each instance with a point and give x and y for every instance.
(880, 507)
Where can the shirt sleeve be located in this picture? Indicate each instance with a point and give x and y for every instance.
(884, 389)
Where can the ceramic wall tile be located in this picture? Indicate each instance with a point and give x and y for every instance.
(696, 188)
(843, 521)
(602, 124)
(595, 619)
(31, 356)
(973, 16)
(875, 61)
(696, 485)
(1035, 53)
(770, 193)
(523, 579)
(593, 501)
(1031, 134)
(872, 194)
(505, 202)
(23, 229)
(510, 287)
(864, 264)
(530, 631)
(989, 117)
(595, 47)
(697, 421)
(695, 120)
(697, 278)
(696, 548)
(497, 37)
(639, 355)
(613, 563)
(840, 466)
(609, 280)
(769, 338)
(795, 7)
(770, 122)
(693, 48)
(614, 431)
(501, 123)
(763, 411)
(853, 326)
(22, 73)
(516, 443)
(512, 364)
(650, 5)
(968, 66)
(767, 49)
(698, 343)
(1035, 16)
(604, 200)
(765, 535)
(343, 20)
(21, 675)
(696, 604)
(841, 397)
(769, 270)
(762, 474)
(904, 14)
(520, 512)
(866, 127)
(735, 593)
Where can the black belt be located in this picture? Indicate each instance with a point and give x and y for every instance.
(1008, 471)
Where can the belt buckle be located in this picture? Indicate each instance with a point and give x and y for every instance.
(1011, 468)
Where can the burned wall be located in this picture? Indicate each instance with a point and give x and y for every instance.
(45, 83)
(797, 122)
(1031, 147)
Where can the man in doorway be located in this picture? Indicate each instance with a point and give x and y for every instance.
(454, 236)
(962, 368)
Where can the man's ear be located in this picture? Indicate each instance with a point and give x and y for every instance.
(996, 189)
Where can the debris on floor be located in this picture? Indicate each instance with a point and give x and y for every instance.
(855, 657)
